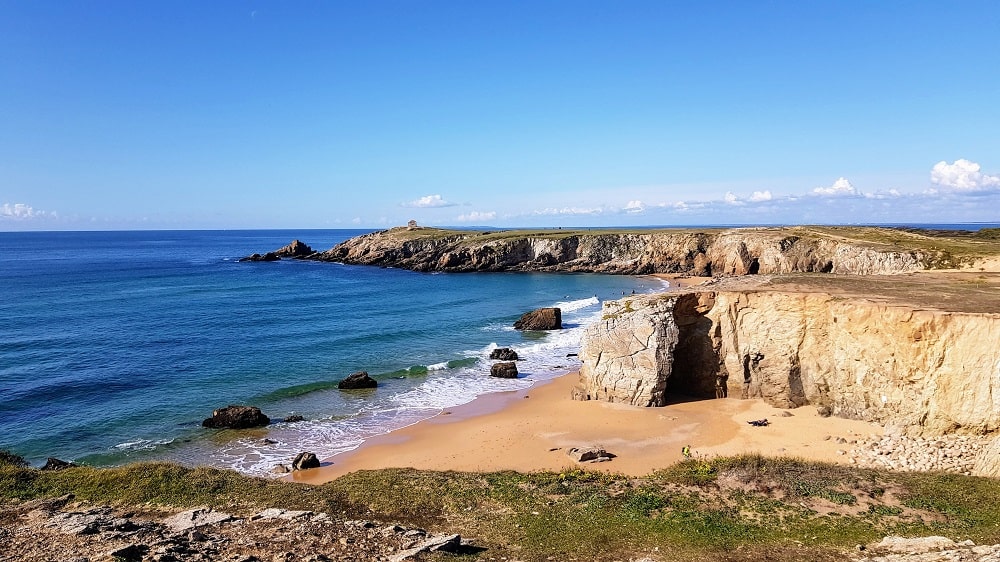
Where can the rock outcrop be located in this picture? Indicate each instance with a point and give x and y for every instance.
(507, 370)
(930, 372)
(540, 319)
(357, 380)
(297, 249)
(504, 354)
(236, 417)
(704, 253)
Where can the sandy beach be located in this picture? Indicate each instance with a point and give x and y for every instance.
(531, 430)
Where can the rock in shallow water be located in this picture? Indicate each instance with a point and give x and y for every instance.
(236, 417)
(357, 380)
(506, 370)
(540, 319)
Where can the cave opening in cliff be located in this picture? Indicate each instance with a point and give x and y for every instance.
(754, 268)
(695, 372)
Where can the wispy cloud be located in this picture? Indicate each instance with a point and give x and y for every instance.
(477, 216)
(570, 211)
(962, 175)
(760, 196)
(429, 201)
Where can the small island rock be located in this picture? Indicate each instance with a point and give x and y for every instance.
(297, 249)
(236, 417)
(270, 256)
(540, 319)
(507, 370)
(504, 354)
(357, 380)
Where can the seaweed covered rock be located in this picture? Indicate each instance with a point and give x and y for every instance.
(357, 380)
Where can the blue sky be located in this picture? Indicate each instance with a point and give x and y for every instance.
(133, 115)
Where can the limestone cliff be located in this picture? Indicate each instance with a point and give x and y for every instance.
(710, 252)
(929, 372)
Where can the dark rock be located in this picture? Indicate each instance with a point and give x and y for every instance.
(506, 370)
(294, 418)
(504, 354)
(304, 461)
(236, 417)
(541, 319)
(357, 380)
(270, 256)
(130, 553)
(56, 464)
(280, 469)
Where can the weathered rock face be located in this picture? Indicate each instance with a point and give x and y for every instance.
(504, 354)
(736, 251)
(928, 371)
(236, 417)
(297, 249)
(357, 380)
(540, 319)
(627, 356)
(506, 370)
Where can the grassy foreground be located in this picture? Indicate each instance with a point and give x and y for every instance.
(737, 508)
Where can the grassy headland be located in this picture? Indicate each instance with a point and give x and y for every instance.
(736, 508)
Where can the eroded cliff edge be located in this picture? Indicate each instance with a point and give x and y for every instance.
(929, 372)
(706, 252)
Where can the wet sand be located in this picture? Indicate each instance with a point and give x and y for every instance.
(531, 430)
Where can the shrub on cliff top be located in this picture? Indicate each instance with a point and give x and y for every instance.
(9, 458)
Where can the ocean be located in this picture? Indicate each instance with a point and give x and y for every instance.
(114, 346)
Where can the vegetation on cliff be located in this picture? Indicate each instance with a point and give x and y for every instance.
(740, 508)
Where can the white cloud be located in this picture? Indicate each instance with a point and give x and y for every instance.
(570, 211)
(962, 175)
(758, 196)
(839, 187)
(20, 211)
(356, 220)
(635, 207)
(429, 201)
(476, 216)
(732, 199)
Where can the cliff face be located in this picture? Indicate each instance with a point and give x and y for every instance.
(927, 371)
(736, 252)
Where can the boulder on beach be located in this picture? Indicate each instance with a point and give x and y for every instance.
(357, 380)
(540, 319)
(504, 354)
(305, 461)
(294, 418)
(236, 417)
(506, 370)
(589, 454)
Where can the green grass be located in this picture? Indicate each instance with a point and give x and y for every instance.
(735, 508)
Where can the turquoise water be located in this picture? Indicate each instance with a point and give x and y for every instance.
(115, 345)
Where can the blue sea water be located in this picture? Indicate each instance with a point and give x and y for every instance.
(115, 345)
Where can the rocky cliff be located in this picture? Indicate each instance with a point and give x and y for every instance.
(705, 253)
(929, 372)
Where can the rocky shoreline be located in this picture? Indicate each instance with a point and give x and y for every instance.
(708, 252)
